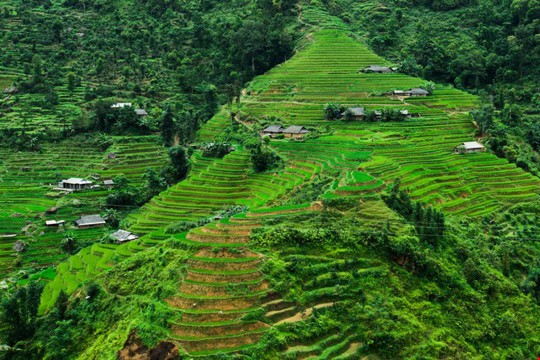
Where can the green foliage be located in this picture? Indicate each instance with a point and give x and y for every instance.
(429, 222)
(264, 158)
(179, 167)
(216, 149)
(333, 111)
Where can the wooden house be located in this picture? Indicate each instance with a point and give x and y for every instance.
(295, 132)
(272, 130)
(357, 113)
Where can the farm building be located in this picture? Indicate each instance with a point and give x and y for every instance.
(120, 105)
(407, 114)
(417, 92)
(141, 112)
(410, 92)
(90, 221)
(75, 184)
(469, 147)
(295, 132)
(377, 69)
(272, 130)
(108, 183)
(54, 223)
(357, 113)
(124, 236)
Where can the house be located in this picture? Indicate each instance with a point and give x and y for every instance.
(377, 69)
(357, 113)
(124, 236)
(400, 93)
(295, 132)
(405, 113)
(141, 112)
(469, 147)
(54, 223)
(120, 105)
(90, 221)
(418, 92)
(73, 184)
(108, 183)
(272, 130)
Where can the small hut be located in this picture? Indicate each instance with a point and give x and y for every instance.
(469, 147)
(124, 236)
(272, 130)
(90, 221)
(377, 69)
(357, 113)
(73, 184)
(296, 132)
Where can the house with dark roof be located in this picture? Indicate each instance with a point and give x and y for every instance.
(469, 147)
(377, 69)
(90, 221)
(272, 130)
(73, 184)
(418, 92)
(124, 236)
(295, 132)
(357, 113)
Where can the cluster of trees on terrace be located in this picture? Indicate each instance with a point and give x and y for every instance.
(334, 111)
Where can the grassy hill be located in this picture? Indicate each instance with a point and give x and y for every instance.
(313, 259)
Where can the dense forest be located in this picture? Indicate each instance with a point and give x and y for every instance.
(352, 239)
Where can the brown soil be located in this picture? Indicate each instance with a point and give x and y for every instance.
(304, 315)
(210, 317)
(135, 350)
(220, 331)
(225, 278)
(227, 231)
(218, 239)
(224, 344)
(224, 266)
(225, 253)
(196, 289)
(212, 304)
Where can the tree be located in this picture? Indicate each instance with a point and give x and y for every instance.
(71, 81)
(179, 162)
(168, 127)
(429, 86)
(154, 182)
(332, 111)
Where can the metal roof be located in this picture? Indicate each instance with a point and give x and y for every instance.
(141, 112)
(123, 235)
(469, 145)
(294, 129)
(418, 91)
(356, 111)
(90, 220)
(274, 129)
(79, 181)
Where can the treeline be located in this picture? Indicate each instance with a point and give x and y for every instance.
(198, 50)
(429, 222)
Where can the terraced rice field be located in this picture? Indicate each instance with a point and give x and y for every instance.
(26, 181)
(224, 281)
(418, 150)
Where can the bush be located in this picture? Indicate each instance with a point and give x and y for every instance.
(264, 159)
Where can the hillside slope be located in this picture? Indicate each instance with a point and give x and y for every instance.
(325, 257)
